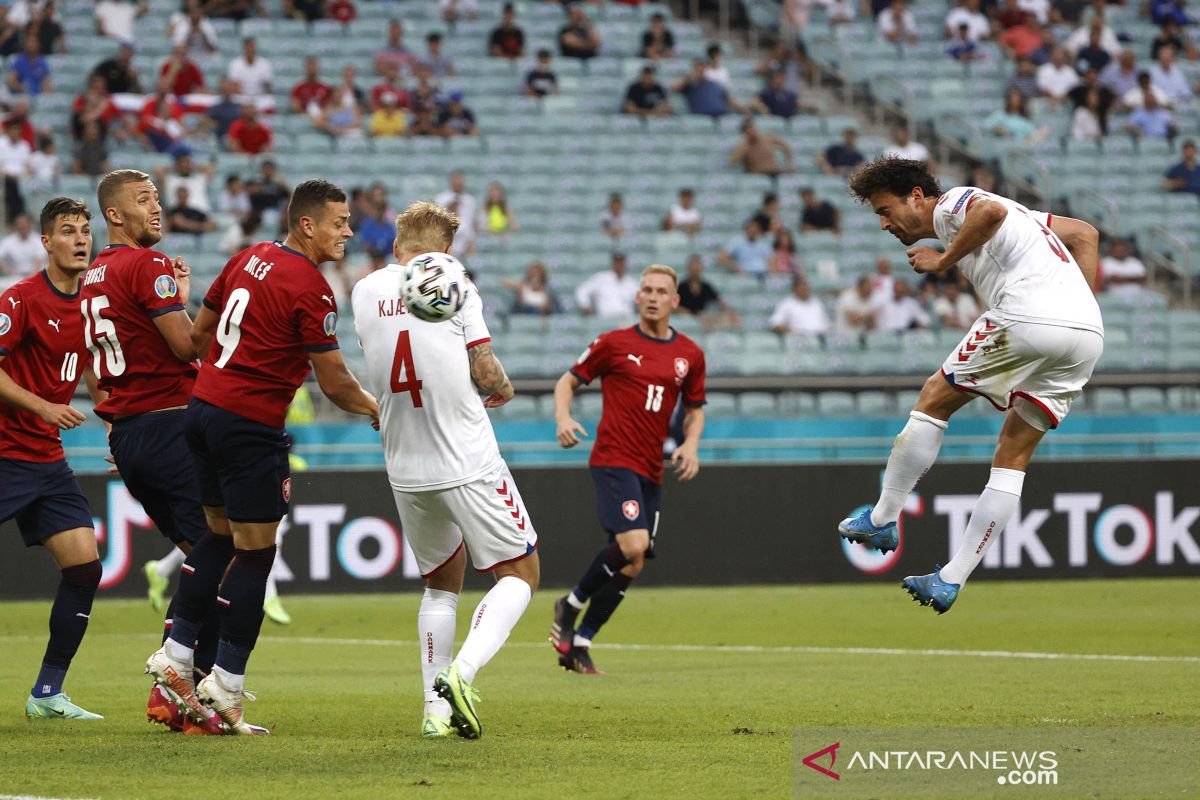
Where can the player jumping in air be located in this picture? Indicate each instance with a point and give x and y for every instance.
(41, 357)
(1029, 354)
(643, 371)
(451, 486)
(271, 313)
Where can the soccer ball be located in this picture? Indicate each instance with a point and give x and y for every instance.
(435, 287)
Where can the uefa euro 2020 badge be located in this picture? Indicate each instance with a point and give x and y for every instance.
(5, 324)
(331, 323)
(164, 286)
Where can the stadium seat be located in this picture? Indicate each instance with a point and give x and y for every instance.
(836, 404)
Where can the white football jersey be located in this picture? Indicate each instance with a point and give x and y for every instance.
(1025, 272)
(435, 430)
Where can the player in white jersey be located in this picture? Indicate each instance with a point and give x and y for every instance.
(450, 484)
(1029, 354)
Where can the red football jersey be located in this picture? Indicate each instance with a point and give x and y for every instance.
(641, 380)
(123, 291)
(41, 339)
(276, 307)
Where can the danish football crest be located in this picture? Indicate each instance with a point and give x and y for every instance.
(681, 368)
(287, 490)
(630, 509)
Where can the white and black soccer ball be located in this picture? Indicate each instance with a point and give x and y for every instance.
(435, 287)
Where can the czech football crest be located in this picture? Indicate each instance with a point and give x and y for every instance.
(630, 509)
(287, 490)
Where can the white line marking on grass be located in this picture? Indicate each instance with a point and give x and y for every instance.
(34, 797)
(784, 650)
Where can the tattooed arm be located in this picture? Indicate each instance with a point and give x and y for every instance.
(488, 374)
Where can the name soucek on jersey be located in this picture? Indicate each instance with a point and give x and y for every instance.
(41, 339)
(641, 379)
(123, 291)
(275, 309)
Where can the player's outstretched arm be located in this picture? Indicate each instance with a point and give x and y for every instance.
(60, 416)
(1083, 241)
(339, 385)
(981, 222)
(489, 376)
(686, 457)
(569, 430)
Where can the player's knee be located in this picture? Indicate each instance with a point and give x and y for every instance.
(634, 567)
(84, 576)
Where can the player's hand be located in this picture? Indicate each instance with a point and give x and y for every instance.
(497, 399)
(62, 417)
(183, 278)
(924, 259)
(569, 433)
(686, 461)
(113, 469)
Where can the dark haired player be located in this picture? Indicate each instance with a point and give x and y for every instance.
(139, 332)
(643, 370)
(272, 314)
(1029, 354)
(41, 358)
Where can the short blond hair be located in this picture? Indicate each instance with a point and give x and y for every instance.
(425, 227)
(662, 269)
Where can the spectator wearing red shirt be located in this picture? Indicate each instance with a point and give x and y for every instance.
(343, 11)
(94, 104)
(1020, 41)
(20, 115)
(310, 91)
(389, 92)
(248, 134)
(181, 73)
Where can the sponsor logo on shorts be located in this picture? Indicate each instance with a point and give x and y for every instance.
(164, 286)
(630, 509)
(287, 489)
(5, 324)
(330, 323)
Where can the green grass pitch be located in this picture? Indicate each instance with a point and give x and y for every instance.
(665, 721)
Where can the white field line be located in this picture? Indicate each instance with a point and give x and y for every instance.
(33, 797)
(706, 648)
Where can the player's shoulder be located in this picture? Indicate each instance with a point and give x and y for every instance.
(685, 342)
(954, 199)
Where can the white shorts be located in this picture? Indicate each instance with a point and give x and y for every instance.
(1036, 369)
(487, 514)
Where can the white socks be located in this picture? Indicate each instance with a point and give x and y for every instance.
(272, 588)
(491, 624)
(229, 680)
(179, 652)
(913, 453)
(169, 564)
(994, 508)
(435, 634)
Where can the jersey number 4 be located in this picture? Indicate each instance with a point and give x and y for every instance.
(404, 371)
(100, 334)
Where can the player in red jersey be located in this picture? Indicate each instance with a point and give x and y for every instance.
(643, 370)
(272, 314)
(139, 333)
(41, 355)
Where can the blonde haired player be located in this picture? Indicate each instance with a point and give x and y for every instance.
(451, 486)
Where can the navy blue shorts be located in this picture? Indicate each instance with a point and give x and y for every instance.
(152, 456)
(44, 498)
(241, 464)
(626, 501)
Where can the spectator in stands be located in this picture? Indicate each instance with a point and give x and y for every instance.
(779, 101)
(29, 72)
(903, 147)
(1010, 15)
(227, 110)
(10, 33)
(818, 215)
(956, 309)
(755, 152)
(192, 31)
(44, 166)
(183, 217)
(966, 12)
(1184, 176)
(962, 48)
(698, 298)
(21, 251)
(715, 69)
(800, 313)
(1121, 76)
(46, 28)
(90, 156)
(1012, 123)
(657, 41)
(94, 104)
(983, 177)
(1096, 53)
(268, 192)
(1091, 81)
(531, 294)
(438, 63)
(454, 10)
(424, 122)
(769, 220)
(388, 120)
(541, 80)
(883, 280)
(747, 253)
(842, 158)
(114, 18)
(1025, 80)
(456, 119)
(342, 11)
(464, 204)
(250, 134)
(497, 216)
(902, 312)
(855, 311)
(507, 40)
(387, 92)
(784, 260)
(578, 38)
(250, 71)
(1171, 35)
(342, 115)
(1056, 78)
(395, 51)
(1173, 10)
(646, 97)
(241, 234)
(704, 96)
(895, 24)
(1020, 41)
(234, 200)
(614, 222)
(1166, 76)
(1136, 98)
(1152, 121)
(161, 128)
(235, 9)
(785, 58)
(1089, 122)
(610, 293)
(1122, 274)
(683, 216)
(310, 95)
(377, 230)
(181, 73)
(184, 173)
(304, 10)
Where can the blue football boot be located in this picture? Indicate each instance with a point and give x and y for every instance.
(859, 529)
(931, 590)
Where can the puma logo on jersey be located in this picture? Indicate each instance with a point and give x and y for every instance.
(54, 324)
(14, 301)
(162, 261)
(635, 359)
(327, 299)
